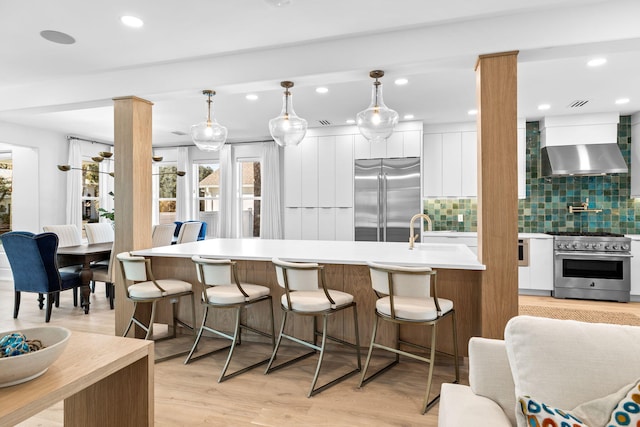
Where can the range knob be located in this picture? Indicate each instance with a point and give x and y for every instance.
(606, 247)
(566, 246)
(625, 247)
(587, 245)
(614, 247)
(595, 245)
(575, 245)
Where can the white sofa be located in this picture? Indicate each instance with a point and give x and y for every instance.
(562, 363)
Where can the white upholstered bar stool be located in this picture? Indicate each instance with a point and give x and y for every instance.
(405, 298)
(220, 288)
(141, 287)
(306, 294)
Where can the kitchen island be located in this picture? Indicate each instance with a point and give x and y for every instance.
(459, 274)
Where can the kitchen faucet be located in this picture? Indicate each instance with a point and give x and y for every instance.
(412, 237)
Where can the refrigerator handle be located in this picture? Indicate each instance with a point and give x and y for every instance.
(384, 207)
(378, 207)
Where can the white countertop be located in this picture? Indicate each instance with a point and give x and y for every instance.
(449, 256)
(447, 233)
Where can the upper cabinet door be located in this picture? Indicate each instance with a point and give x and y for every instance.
(395, 146)
(411, 143)
(344, 171)
(451, 164)
(309, 164)
(327, 171)
(432, 165)
(292, 176)
(361, 147)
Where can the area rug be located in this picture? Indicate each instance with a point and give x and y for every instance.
(583, 315)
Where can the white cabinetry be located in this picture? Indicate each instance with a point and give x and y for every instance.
(450, 160)
(635, 155)
(318, 188)
(404, 142)
(537, 277)
(635, 268)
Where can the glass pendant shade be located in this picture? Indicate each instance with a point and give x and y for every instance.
(287, 129)
(376, 123)
(209, 135)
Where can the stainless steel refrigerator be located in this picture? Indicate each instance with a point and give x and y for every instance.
(387, 195)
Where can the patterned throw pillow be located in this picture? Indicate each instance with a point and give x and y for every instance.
(538, 414)
(627, 412)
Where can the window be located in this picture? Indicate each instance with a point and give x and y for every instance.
(90, 192)
(249, 196)
(208, 186)
(167, 184)
(6, 178)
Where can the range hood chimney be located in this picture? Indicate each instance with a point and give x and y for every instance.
(581, 145)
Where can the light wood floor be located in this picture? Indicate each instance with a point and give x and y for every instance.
(190, 395)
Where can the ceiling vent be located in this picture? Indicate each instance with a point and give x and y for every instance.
(179, 133)
(324, 122)
(578, 103)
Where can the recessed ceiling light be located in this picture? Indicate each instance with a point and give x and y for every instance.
(322, 90)
(57, 37)
(472, 112)
(401, 81)
(622, 101)
(350, 122)
(251, 96)
(278, 3)
(544, 106)
(596, 62)
(408, 116)
(131, 21)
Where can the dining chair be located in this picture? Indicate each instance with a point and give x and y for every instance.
(306, 294)
(34, 266)
(405, 297)
(99, 232)
(140, 286)
(68, 234)
(220, 289)
(104, 273)
(162, 235)
(189, 232)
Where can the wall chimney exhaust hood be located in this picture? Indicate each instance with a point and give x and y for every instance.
(581, 145)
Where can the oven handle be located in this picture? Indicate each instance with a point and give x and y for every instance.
(594, 254)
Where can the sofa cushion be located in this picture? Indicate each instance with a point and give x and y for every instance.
(621, 408)
(490, 374)
(460, 406)
(565, 363)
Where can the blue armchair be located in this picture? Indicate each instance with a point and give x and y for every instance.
(33, 260)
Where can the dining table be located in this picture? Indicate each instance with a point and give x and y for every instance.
(84, 255)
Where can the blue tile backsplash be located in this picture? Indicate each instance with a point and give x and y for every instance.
(546, 206)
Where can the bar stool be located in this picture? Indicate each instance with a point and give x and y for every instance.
(142, 287)
(306, 294)
(404, 298)
(221, 289)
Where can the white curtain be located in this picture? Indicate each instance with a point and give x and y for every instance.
(228, 224)
(184, 199)
(106, 186)
(270, 215)
(74, 185)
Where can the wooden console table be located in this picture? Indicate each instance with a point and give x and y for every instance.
(103, 380)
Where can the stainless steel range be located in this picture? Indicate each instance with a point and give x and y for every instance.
(592, 266)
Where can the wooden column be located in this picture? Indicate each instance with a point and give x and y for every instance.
(132, 190)
(496, 90)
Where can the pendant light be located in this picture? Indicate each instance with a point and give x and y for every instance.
(209, 135)
(287, 129)
(376, 123)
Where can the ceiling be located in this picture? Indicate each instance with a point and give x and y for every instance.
(237, 47)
